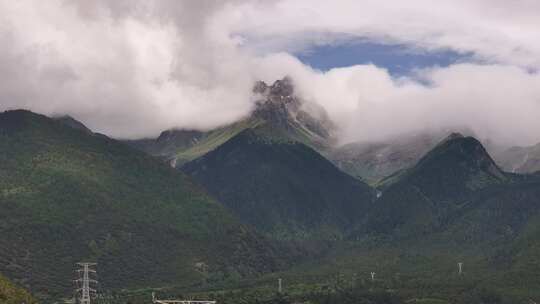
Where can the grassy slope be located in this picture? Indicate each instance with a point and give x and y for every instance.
(184, 145)
(213, 139)
(68, 196)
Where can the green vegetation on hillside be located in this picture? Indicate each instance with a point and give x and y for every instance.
(455, 205)
(420, 199)
(11, 294)
(458, 205)
(68, 196)
(282, 187)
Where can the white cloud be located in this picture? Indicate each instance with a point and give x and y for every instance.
(496, 102)
(123, 73)
(134, 68)
(500, 31)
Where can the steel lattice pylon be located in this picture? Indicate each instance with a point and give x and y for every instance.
(84, 280)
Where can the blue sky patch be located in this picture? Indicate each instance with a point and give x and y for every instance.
(398, 59)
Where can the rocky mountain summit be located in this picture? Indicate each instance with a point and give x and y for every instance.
(280, 106)
(275, 103)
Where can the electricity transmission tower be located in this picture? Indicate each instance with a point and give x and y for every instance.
(84, 280)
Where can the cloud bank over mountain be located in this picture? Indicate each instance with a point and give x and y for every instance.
(133, 68)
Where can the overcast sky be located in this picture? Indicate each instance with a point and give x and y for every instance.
(130, 68)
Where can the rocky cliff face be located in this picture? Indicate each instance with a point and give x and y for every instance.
(280, 106)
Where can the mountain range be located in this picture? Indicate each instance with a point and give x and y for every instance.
(437, 193)
(269, 193)
(373, 161)
(279, 108)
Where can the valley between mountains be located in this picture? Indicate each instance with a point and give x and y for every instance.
(224, 213)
